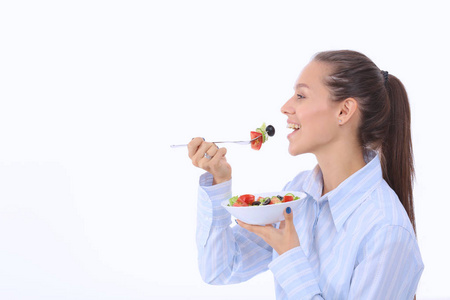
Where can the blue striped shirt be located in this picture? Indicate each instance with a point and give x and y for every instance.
(356, 242)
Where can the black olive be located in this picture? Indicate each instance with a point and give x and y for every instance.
(280, 197)
(270, 130)
(255, 203)
(266, 201)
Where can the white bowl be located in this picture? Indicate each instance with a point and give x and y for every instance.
(265, 214)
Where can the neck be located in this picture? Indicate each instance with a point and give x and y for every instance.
(339, 164)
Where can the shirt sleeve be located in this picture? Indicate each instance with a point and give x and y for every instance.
(389, 266)
(295, 275)
(225, 254)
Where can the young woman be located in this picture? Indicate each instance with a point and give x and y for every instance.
(354, 235)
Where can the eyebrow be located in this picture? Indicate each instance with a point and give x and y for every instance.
(301, 85)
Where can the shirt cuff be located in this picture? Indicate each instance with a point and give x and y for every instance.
(294, 274)
(211, 212)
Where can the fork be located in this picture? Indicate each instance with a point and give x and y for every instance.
(234, 142)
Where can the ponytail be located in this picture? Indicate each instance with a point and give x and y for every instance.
(396, 153)
(385, 116)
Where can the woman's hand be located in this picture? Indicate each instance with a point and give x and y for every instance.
(281, 240)
(210, 158)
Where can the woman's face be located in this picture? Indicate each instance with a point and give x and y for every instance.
(311, 113)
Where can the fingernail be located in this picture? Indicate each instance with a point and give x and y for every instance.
(204, 139)
(288, 210)
(236, 222)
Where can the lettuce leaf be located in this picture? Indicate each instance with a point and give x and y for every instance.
(232, 200)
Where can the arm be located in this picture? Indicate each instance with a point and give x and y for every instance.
(388, 266)
(225, 254)
(291, 269)
(295, 275)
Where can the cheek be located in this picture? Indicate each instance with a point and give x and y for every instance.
(319, 124)
(316, 118)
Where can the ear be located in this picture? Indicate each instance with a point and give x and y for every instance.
(347, 109)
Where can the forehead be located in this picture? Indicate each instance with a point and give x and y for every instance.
(313, 75)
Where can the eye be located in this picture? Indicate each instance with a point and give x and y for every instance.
(299, 96)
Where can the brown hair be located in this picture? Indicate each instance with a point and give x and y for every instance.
(385, 123)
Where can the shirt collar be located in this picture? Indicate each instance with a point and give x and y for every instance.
(344, 199)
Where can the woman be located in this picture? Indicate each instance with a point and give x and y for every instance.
(354, 235)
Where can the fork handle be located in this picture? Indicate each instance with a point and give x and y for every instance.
(177, 146)
(224, 142)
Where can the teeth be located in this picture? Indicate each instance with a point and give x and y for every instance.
(293, 126)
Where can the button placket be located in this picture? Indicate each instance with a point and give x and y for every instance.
(317, 212)
(313, 233)
(318, 205)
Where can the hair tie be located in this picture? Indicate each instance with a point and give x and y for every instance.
(386, 76)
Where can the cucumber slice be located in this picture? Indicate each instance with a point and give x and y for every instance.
(263, 131)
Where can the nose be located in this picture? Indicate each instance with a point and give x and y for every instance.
(287, 108)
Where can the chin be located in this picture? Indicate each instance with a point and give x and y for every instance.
(297, 147)
(294, 151)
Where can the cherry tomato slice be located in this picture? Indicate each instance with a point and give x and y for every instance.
(247, 198)
(288, 198)
(256, 144)
(240, 203)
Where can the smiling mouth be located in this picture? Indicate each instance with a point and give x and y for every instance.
(293, 126)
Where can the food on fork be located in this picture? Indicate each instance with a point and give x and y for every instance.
(261, 135)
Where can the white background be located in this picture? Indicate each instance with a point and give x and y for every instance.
(94, 204)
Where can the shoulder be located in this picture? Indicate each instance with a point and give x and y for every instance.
(386, 224)
(386, 210)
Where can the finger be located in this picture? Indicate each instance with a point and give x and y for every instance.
(194, 145)
(219, 153)
(262, 231)
(282, 225)
(288, 218)
(212, 150)
(205, 154)
(200, 154)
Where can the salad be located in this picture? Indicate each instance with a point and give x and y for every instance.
(262, 135)
(249, 200)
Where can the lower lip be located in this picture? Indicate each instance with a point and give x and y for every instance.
(292, 133)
